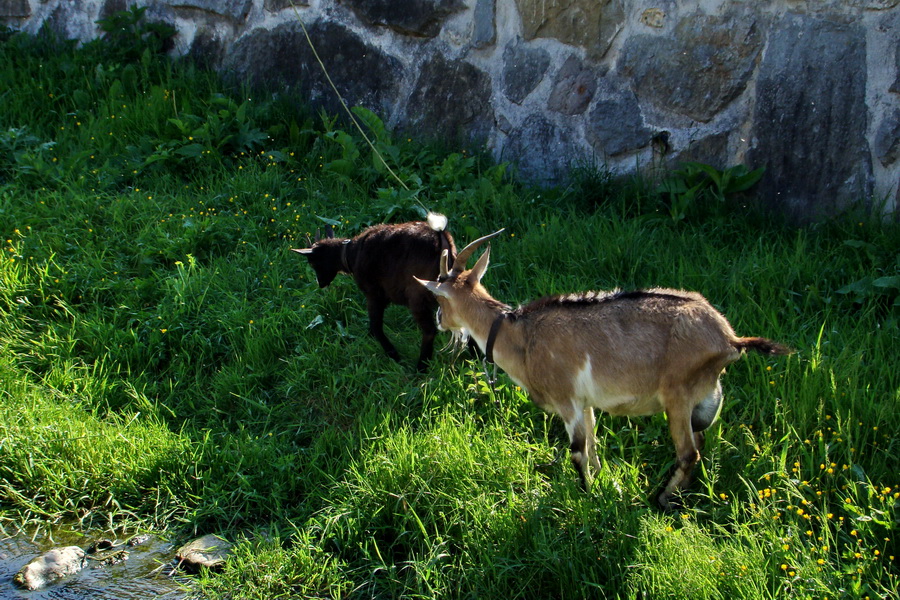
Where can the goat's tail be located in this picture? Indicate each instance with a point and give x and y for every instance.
(437, 221)
(761, 345)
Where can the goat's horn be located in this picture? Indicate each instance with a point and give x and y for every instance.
(462, 258)
(445, 257)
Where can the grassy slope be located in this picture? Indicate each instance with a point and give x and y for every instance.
(165, 359)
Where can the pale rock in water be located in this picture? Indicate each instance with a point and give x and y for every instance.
(210, 551)
(50, 567)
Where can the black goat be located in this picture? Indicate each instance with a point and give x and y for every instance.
(384, 260)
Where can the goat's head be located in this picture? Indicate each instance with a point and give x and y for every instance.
(456, 287)
(324, 256)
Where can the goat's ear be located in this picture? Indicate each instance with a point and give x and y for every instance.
(303, 251)
(481, 265)
(432, 286)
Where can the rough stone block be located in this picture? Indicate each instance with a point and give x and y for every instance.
(484, 31)
(574, 87)
(280, 58)
(700, 69)
(810, 117)
(523, 69)
(451, 100)
(419, 18)
(542, 152)
(207, 49)
(589, 24)
(711, 150)
(615, 125)
(15, 9)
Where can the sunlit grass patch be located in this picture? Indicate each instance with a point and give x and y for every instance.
(678, 558)
(66, 461)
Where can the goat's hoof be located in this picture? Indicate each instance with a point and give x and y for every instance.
(544, 468)
(668, 503)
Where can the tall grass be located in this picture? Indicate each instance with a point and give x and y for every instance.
(166, 360)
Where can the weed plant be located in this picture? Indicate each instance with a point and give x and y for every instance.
(167, 363)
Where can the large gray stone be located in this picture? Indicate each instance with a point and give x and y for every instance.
(207, 49)
(523, 69)
(711, 150)
(235, 10)
(541, 152)
(19, 9)
(51, 567)
(419, 18)
(209, 551)
(589, 24)
(277, 58)
(887, 139)
(615, 124)
(451, 101)
(484, 32)
(810, 117)
(65, 20)
(700, 69)
(573, 88)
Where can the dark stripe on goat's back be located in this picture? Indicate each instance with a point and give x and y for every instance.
(594, 298)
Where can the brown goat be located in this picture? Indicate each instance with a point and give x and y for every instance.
(626, 353)
(383, 260)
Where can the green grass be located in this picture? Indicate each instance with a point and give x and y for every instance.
(166, 361)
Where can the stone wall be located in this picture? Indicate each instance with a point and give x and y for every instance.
(810, 89)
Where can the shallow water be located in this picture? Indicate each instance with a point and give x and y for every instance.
(144, 575)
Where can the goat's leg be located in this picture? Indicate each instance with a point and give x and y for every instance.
(590, 426)
(579, 449)
(376, 306)
(686, 452)
(423, 313)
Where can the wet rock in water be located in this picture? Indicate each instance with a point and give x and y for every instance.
(137, 540)
(210, 551)
(50, 567)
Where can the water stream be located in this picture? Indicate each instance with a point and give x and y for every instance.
(146, 573)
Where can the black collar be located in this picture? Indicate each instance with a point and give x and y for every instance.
(492, 337)
(344, 263)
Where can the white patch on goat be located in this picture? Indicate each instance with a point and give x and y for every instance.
(585, 388)
(436, 221)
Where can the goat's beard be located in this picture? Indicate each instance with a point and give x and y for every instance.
(459, 339)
